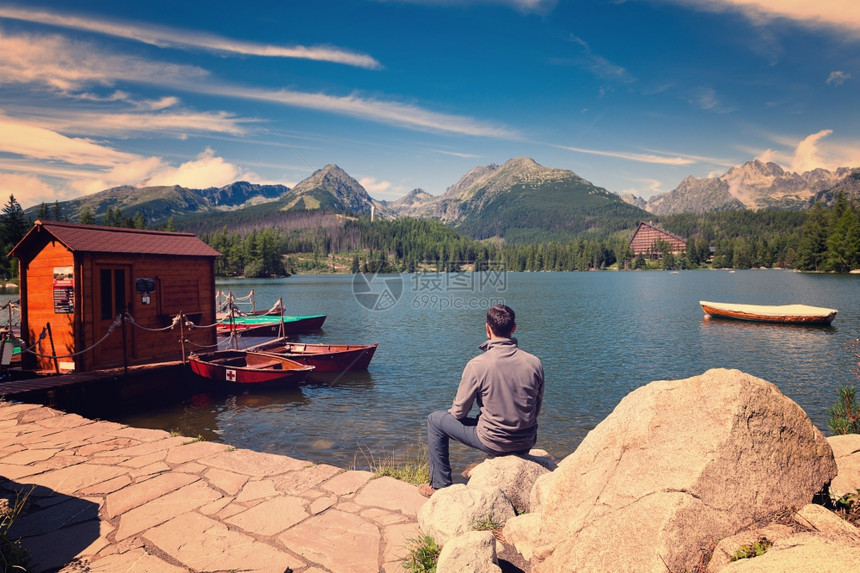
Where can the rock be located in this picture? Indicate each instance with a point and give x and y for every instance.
(825, 522)
(540, 490)
(523, 533)
(541, 457)
(678, 465)
(514, 475)
(846, 450)
(474, 551)
(728, 548)
(801, 553)
(456, 509)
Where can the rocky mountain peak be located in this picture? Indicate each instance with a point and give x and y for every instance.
(333, 188)
(753, 185)
(331, 177)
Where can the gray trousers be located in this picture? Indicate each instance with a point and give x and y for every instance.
(441, 427)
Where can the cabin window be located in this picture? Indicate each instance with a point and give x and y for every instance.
(113, 300)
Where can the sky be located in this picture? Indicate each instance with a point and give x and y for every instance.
(633, 96)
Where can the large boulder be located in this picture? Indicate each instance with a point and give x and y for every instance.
(473, 552)
(514, 475)
(677, 466)
(523, 533)
(804, 552)
(846, 450)
(826, 542)
(456, 510)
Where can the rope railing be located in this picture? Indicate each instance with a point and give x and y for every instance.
(117, 322)
(230, 301)
(178, 320)
(173, 323)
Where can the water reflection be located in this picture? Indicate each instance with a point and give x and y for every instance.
(599, 335)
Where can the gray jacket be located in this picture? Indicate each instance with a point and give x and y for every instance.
(507, 384)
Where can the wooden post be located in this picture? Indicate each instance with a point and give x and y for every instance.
(281, 327)
(182, 334)
(53, 352)
(124, 348)
(233, 330)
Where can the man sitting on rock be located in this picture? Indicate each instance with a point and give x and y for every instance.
(507, 384)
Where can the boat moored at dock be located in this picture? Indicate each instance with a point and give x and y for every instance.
(245, 367)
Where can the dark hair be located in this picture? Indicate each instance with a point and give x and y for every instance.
(501, 320)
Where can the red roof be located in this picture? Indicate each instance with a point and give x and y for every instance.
(96, 239)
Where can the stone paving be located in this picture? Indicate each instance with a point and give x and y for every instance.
(103, 497)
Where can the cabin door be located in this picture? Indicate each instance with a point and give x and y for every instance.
(113, 298)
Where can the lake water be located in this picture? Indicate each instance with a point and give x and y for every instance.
(600, 335)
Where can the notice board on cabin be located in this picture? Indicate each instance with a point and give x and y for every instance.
(64, 290)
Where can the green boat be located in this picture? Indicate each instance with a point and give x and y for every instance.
(269, 325)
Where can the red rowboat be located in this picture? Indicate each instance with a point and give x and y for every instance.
(785, 314)
(244, 367)
(324, 357)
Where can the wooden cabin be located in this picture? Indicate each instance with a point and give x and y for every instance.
(80, 278)
(648, 236)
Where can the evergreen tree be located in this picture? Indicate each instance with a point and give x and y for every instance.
(87, 217)
(813, 244)
(113, 218)
(843, 242)
(138, 221)
(13, 222)
(58, 213)
(42, 213)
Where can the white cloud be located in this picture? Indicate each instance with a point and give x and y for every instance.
(371, 185)
(706, 98)
(596, 64)
(807, 155)
(647, 188)
(173, 38)
(388, 112)
(63, 65)
(839, 14)
(28, 189)
(456, 154)
(639, 157)
(40, 143)
(178, 123)
(55, 62)
(206, 170)
(769, 156)
(837, 78)
(814, 151)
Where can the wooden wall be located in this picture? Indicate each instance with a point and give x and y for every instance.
(38, 298)
(182, 283)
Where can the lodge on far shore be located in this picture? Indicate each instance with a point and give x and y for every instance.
(648, 237)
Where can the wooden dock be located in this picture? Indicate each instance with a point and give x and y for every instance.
(46, 381)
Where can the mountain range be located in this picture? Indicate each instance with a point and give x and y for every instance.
(518, 201)
(754, 185)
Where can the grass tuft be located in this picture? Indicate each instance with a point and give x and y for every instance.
(412, 467)
(13, 555)
(760, 547)
(423, 555)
